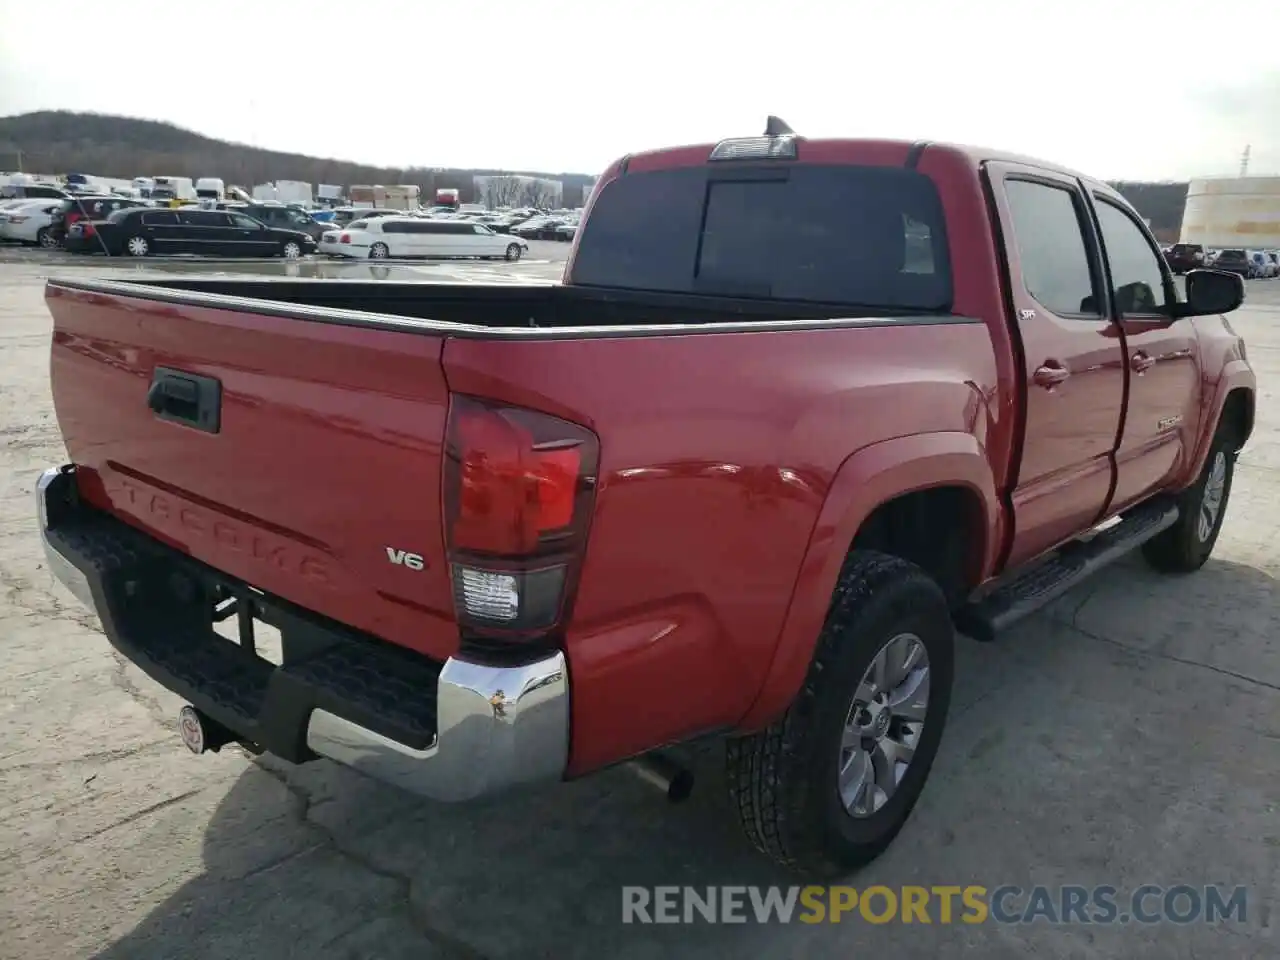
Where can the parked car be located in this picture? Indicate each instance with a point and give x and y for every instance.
(28, 222)
(1235, 261)
(149, 231)
(31, 191)
(567, 230)
(1186, 256)
(744, 471)
(394, 237)
(538, 228)
(344, 215)
(285, 218)
(87, 207)
(1264, 267)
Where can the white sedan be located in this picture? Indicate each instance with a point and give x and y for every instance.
(386, 238)
(28, 222)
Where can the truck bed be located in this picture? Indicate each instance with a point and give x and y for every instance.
(464, 309)
(720, 431)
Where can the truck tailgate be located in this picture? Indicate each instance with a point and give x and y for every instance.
(321, 484)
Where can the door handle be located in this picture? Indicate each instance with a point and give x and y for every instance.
(1141, 362)
(1050, 374)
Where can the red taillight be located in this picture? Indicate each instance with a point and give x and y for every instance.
(86, 229)
(345, 238)
(72, 218)
(519, 489)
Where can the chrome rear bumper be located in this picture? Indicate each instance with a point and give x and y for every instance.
(494, 727)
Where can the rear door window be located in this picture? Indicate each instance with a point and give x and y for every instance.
(1048, 232)
(861, 236)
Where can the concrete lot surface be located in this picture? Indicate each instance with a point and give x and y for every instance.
(1131, 735)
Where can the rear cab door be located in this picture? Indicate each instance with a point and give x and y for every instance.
(1163, 364)
(1073, 360)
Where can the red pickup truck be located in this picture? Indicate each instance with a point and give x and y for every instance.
(798, 410)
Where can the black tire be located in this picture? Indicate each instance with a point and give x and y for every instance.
(295, 254)
(46, 240)
(783, 781)
(514, 251)
(1184, 547)
(379, 251)
(137, 246)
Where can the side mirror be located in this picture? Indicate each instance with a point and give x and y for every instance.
(1210, 292)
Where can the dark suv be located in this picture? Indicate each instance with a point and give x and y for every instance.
(284, 218)
(1185, 256)
(1235, 261)
(86, 207)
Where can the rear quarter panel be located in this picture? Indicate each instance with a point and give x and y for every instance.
(718, 452)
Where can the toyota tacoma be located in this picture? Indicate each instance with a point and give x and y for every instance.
(799, 411)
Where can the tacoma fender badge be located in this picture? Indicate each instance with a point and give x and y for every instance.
(1168, 422)
(402, 558)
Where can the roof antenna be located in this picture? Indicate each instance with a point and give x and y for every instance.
(777, 127)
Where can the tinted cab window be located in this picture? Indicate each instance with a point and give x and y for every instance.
(1137, 280)
(866, 237)
(1055, 262)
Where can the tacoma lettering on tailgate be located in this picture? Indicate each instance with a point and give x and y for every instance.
(183, 521)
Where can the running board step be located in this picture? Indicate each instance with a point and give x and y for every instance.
(1028, 591)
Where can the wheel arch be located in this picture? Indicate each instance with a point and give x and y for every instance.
(884, 497)
(1232, 403)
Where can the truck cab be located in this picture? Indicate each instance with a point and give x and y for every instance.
(210, 191)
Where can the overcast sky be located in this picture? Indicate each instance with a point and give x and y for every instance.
(1116, 88)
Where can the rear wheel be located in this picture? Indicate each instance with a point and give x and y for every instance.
(827, 787)
(379, 251)
(514, 251)
(137, 247)
(1185, 546)
(45, 239)
(292, 250)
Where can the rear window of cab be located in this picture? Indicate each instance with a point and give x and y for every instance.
(860, 236)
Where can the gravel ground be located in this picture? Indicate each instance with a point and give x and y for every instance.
(1129, 735)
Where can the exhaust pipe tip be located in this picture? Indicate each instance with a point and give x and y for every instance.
(663, 771)
(201, 733)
